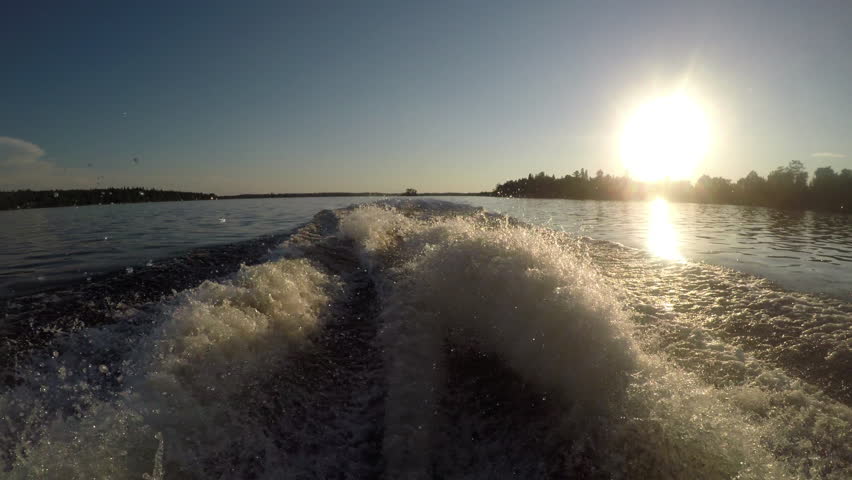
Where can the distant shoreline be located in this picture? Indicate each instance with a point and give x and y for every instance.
(36, 199)
(351, 194)
(30, 199)
(788, 188)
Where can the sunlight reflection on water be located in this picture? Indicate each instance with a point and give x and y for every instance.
(802, 250)
(662, 237)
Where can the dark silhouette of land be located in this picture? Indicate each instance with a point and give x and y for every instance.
(95, 196)
(784, 187)
(410, 192)
(104, 196)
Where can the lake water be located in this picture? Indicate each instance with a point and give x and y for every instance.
(49, 246)
(429, 340)
(801, 250)
(807, 251)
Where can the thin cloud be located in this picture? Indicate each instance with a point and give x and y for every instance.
(828, 155)
(15, 152)
(22, 165)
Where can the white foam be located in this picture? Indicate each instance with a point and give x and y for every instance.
(180, 408)
(643, 391)
(510, 290)
(530, 297)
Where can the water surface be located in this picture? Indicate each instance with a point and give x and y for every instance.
(375, 337)
(46, 246)
(801, 250)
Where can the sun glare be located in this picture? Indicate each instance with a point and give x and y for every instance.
(665, 137)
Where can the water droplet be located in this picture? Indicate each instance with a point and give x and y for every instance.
(129, 269)
(103, 369)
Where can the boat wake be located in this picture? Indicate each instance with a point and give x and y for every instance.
(425, 339)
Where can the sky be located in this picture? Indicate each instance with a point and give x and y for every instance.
(257, 97)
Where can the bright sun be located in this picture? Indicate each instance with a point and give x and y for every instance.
(665, 137)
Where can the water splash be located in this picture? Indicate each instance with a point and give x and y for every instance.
(614, 364)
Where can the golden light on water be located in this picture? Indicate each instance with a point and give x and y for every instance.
(666, 137)
(662, 236)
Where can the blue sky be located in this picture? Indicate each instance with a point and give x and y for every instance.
(239, 97)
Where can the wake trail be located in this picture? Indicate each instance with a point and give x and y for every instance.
(423, 339)
(324, 413)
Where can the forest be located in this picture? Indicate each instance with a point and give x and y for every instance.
(64, 198)
(788, 186)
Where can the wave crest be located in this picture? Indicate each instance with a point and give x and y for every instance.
(181, 387)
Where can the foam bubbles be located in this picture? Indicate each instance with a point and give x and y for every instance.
(531, 297)
(612, 366)
(179, 409)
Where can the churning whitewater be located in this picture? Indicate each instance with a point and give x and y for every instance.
(425, 339)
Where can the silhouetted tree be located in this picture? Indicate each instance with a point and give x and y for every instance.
(785, 187)
(63, 198)
(752, 189)
(788, 184)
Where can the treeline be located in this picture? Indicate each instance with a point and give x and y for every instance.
(409, 192)
(300, 195)
(785, 187)
(65, 198)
